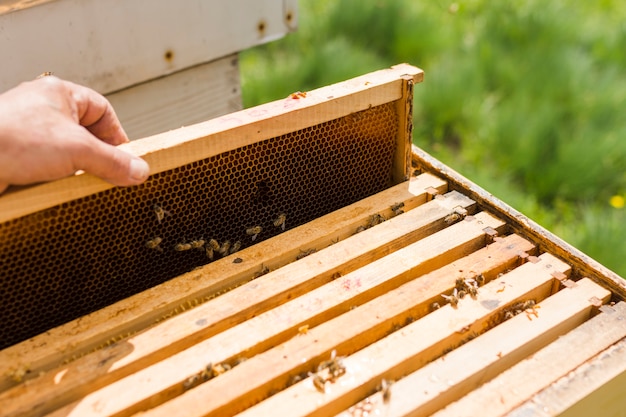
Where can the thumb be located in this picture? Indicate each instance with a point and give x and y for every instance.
(110, 163)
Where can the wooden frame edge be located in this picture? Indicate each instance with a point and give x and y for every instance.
(582, 264)
(188, 144)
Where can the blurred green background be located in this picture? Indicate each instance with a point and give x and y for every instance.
(525, 98)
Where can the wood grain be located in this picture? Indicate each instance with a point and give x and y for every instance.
(44, 352)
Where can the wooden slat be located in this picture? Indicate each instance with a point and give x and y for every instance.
(46, 351)
(416, 344)
(517, 384)
(467, 367)
(182, 146)
(596, 387)
(402, 351)
(163, 380)
(190, 96)
(104, 366)
(582, 264)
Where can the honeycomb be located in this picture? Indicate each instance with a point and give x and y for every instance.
(72, 259)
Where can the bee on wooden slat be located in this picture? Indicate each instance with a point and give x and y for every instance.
(397, 208)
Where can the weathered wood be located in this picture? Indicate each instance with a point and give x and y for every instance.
(190, 96)
(467, 367)
(594, 388)
(519, 383)
(188, 144)
(400, 352)
(163, 380)
(48, 350)
(582, 264)
(126, 42)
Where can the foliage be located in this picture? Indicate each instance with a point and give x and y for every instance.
(523, 97)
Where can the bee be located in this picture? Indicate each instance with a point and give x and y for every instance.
(280, 221)
(435, 306)
(461, 294)
(453, 298)
(297, 95)
(359, 229)
(397, 208)
(190, 382)
(44, 74)
(385, 388)
(210, 252)
(452, 218)
(264, 270)
(306, 253)
(236, 246)
(225, 248)
(254, 231)
(336, 367)
(160, 212)
(472, 287)
(318, 382)
(179, 247)
(303, 329)
(213, 244)
(376, 219)
(207, 373)
(460, 283)
(480, 279)
(155, 244)
(197, 244)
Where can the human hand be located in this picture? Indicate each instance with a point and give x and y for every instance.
(50, 128)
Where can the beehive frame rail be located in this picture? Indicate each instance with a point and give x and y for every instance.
(583, 265)
(307, 310)
(188, 144)
(227, 176)
(64, 343)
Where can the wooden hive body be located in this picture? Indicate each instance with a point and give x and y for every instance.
(353, 308)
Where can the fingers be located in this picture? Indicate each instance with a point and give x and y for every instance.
(97, 115)
(108, 162)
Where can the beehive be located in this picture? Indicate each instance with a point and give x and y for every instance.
(355, 307)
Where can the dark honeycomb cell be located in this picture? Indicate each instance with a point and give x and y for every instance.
(67, 261)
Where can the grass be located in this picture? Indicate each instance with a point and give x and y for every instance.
(524, 98)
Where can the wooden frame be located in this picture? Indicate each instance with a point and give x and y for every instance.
(192, 143)
(81, 40)
(320, 319)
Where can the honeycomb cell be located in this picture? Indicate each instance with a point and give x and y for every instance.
(82, 255)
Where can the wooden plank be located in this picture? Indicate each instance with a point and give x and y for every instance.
(402, 351)
(49, 350)
(402, 153)
(514, 386)
(466, 368)
(594, 388)
(86, 48)
(163, 380)
(190, 96)
(582, 264)
(188, 144)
